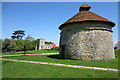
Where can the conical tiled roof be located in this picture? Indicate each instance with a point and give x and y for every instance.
(85, 15)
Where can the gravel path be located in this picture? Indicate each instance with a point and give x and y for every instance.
(57, 64)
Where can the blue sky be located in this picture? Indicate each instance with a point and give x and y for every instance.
(42, 19)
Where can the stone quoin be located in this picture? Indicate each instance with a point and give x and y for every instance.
(86, 36)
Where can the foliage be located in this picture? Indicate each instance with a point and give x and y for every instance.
(0, 45)
(18, 34)
(20, 44)
(5, 44)
(55, 49)
(48, 42)
(28, 43)
(12, 45)
(29, 38)
(8, 45)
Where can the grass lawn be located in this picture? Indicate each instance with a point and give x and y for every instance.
(55, 59)
(31, 70)
(31, 52)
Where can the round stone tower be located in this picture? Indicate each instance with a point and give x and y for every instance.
(86, 36)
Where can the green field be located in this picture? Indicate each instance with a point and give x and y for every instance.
(32, 52)
(31, 70)
(55, 59)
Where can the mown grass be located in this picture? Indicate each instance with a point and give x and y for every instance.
(31, 70)
(55, 59)
(32, 52)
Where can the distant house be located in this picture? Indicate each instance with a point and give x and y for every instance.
(117, 46)
(42, 46)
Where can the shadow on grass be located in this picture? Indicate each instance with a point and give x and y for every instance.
(56, 56)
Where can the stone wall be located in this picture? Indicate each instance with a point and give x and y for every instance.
(118, 45)
(41, 45)
(87, 41)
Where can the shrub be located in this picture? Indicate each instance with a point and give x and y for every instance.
(55, 49)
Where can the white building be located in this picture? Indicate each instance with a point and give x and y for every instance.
(118, 45)
(42, 46)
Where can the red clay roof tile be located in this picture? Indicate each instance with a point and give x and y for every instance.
(53, 45)
(84, 16)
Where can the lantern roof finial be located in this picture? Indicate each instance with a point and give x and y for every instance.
(84, 7)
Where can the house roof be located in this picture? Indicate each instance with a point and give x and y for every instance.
(85, 15)
(53, 45)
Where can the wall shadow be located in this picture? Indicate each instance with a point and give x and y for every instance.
(56, 56)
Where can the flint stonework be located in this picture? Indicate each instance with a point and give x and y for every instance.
(89, 40)
(87, 44)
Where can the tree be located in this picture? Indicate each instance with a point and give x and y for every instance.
(12, 45)
(48, 42)
(23, 45)
(30, 42)
(18, 34)
(20, 45)
(30, 38)
(0, 45)
(8, 45)
(5, 44)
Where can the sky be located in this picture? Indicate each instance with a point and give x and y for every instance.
(42, 19)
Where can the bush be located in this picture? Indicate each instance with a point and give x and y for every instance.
(55, 49)
(18, 45)
(8, 45)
